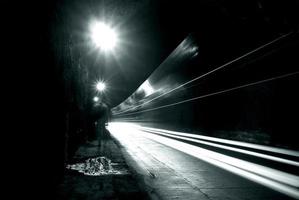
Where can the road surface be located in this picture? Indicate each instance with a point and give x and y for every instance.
(177, 165)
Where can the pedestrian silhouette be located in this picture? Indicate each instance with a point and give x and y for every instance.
(100, 113)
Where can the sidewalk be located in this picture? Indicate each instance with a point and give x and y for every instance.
(109, 186)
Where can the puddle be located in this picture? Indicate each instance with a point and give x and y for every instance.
(98, 166)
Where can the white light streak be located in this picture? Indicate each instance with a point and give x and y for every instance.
(210, 72)
(208, 95)
(280, 181)
(226, 141)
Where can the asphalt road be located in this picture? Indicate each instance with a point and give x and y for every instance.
(175, 165)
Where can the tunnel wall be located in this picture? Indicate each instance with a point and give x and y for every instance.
(187, 94)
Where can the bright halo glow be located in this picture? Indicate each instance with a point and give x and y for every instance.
(100, 86)
(96, 99)
(103, 36)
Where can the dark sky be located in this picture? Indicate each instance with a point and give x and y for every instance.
(149, 30)
(146, 32)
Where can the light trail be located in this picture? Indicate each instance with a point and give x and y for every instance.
(277, 180)
(208, 73)
(257, 173)
(230, 142)
(268, 157)
(214, 93)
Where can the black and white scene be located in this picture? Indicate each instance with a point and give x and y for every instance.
(153, 99)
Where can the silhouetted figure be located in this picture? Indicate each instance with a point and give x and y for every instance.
(100, 114)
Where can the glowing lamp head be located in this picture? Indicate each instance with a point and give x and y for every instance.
(100, 86)
(96, 99)
(103, 36)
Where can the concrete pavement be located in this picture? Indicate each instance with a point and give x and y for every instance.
(124, 186)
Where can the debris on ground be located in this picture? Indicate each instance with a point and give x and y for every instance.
(96, 167)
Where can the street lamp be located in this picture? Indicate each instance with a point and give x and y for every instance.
(103, 36)
(95, 99)
(101, 86)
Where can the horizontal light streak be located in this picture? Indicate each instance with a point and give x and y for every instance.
(282, 160)
(266, 176)
(275, 179)
(226, 141)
